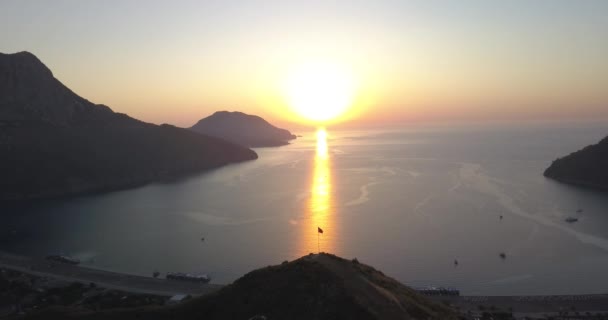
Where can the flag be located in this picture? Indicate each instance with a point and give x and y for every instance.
(319, 230)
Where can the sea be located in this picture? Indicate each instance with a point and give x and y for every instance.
(429, 205)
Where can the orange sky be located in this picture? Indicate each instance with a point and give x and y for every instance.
(176, 62)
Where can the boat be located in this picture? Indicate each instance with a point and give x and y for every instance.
(438, 291)
(202, 278)
(63, 259)
(571, 219)
(503, 255)
(579, 210)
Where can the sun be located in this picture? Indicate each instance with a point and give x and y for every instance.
(319, 92)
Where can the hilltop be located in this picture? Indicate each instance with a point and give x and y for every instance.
(586, 167)
(317, 286)
(56, 143)
(244, 129)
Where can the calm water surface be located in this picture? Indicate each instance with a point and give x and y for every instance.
(406, 201)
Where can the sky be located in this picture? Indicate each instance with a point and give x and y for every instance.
(410, 61)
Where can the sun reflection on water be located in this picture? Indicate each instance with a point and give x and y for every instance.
(319, 208)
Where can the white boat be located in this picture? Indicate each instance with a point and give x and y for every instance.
(203, 278)
(438, 291)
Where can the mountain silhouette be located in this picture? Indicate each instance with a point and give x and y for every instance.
(244, 129)
(56, 143)
(586, 167)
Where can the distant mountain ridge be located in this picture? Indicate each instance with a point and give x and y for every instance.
(586, 167)
(244, 129)
(56, 143)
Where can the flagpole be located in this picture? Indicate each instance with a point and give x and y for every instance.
(319, 231)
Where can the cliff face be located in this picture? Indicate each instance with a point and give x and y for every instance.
(55, 143)
(586, 167)
(246, 130)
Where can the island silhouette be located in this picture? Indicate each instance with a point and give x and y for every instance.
(244, 129)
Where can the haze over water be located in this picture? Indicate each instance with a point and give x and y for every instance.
(406, 201)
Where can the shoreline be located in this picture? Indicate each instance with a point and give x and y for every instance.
(577, 183)
(114, 187)
(102, 278)
(589, 306)
(535, 306)
(162, 286)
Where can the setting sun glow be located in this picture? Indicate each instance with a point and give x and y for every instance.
(319, 92)
(320, 212)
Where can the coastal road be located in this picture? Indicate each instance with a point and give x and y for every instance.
(106, 279)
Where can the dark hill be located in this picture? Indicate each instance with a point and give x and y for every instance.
(320, 286)
(586, 167)
(55, 143)
(244, 129)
